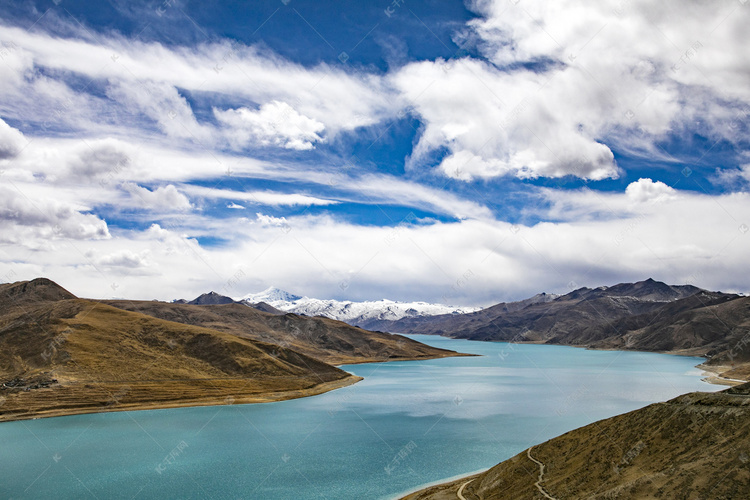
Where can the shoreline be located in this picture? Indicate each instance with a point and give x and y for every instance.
(713, 375)
(393, 360)
(446, 482)
(710, 374)
(228, 400)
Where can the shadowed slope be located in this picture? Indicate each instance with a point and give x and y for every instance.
(326, 339)
(644, 316)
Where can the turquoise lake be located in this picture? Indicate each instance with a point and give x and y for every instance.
(405, 425)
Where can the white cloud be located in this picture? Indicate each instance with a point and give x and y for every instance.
(162, 103)
(532, 110)
(685, 238)
(235, 206)
(125, 258)
(571, 80)
(274, 124)
(163, 197)
(624, 43)
(258, 197)
(646, 190)
(270, 220)
(389, 190)
(11, 141)
(93, 169)
(738, 178)
(146, 76)
(24, 216)
(496, 123)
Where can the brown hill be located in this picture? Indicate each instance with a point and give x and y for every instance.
(211, 298)
(692, 447)
(574, 318)
(26, 292)
(647, 316)
(265, 307)
(79, 356)
(325, 339)
(717, 329)
(412, 324)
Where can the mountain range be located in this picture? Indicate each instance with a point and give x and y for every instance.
(60, 354)
(647, 315)
(367, 314)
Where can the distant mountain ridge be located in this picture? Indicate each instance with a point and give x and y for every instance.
(420, 324)
(366, 314)
(647, 315)
(210, 298)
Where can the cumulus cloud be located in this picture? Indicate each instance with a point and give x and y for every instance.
(270, 220)
(567, 83)
(274, 124)
(163, 197)
(561, 87)
(125, 259)
(101, 161)
(25, 216)
(646, 190)
(11, 141)
(496, 123)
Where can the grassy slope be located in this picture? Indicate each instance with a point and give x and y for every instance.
(694, 446)
(79, 356)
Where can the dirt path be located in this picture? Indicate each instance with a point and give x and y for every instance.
(538, 484)
(460, 492)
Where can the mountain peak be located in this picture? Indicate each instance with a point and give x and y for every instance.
(211, 298)
(651, 289)
(270, 295)
(36, 290)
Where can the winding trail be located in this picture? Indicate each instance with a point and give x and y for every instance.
(460, 492)
(538, 484)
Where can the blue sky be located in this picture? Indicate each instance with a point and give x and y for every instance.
(442, 151)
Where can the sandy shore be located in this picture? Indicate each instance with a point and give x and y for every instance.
(712, 375)
(411, 358)
(211, 401)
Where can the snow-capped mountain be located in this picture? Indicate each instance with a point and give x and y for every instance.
(355, 313)
(270, 296)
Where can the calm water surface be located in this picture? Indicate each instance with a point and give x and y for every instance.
(405, 425)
